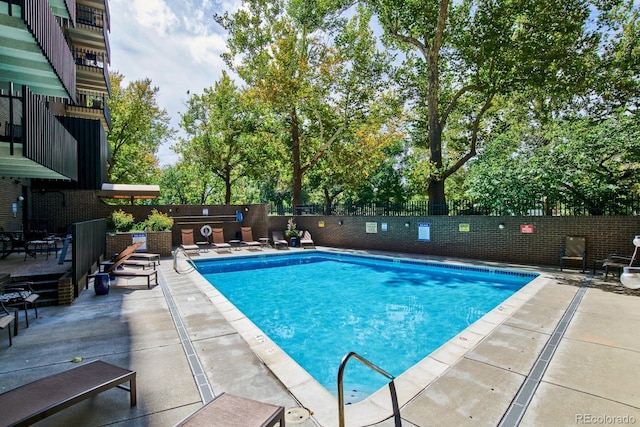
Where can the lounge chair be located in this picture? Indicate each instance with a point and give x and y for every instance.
(218, 240)
(32, 402)
(188, 244)
(228, 410)
(126, 254)
(306, 241)
(278, 240)
(574, 250)
(247, 238)
(19, 295)
(115, 270)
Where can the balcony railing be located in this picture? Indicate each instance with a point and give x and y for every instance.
(43, 139)
(95, 60)
(44, 27)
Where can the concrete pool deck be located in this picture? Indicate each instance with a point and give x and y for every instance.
(185, 350)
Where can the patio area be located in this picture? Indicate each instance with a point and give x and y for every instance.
(185, 351)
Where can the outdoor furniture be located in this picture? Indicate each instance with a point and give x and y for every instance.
(114, 270)
(5, 320)
(228, 410)
(188, 244)
(278, 240)
(39, 399)
(146, 256)
(218, 240)
(574, 250)
(19, 295)
(306, 241)
(247, 238)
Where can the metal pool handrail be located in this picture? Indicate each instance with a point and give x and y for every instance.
(175, 260)
(392, 387)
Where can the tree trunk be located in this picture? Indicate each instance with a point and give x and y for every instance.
(295, 158)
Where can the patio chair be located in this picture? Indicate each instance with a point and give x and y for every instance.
(247, 238)
(117, 270)
(20, 295)
(218, 240)
(306, 241)
(5, 321)
(188, 244)
(278, 240)
(574, 250)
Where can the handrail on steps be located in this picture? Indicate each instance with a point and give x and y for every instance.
(392, 387)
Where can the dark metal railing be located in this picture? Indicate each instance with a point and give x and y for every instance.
(46, 141)
(44, 27)
(89, 246)
(621, 206)
(370, 365)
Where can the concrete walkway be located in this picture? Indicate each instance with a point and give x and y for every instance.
(184, 352)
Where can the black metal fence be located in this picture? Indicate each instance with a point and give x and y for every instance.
(627, 206)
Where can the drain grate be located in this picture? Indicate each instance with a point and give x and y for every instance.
(296, 415)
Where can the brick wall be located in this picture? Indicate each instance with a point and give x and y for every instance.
(485, 239)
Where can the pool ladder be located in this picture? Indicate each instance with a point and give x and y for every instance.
(392, 387)
(175, 260)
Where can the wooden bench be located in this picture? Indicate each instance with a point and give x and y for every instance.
(37, 400)
(228, 410)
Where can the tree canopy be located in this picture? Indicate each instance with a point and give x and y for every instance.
(139, 126)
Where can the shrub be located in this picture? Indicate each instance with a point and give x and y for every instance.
(120, 221)
(158, 221)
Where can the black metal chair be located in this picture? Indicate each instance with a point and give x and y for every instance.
(20, 295)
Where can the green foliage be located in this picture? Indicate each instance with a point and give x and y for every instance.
(119, 220)
(291, 230)
(138, 128)
(158, 221)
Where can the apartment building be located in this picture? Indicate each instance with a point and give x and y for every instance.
(54, 83)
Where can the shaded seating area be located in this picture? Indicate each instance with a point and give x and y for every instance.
(39, 399)
(188, 243)
(247, 238)
(574, 250)
(278, 240)
(218, 240)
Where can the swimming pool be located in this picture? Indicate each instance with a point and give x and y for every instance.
(317, 306)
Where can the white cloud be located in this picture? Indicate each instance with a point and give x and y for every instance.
(176, 44)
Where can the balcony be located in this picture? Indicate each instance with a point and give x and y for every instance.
(33, 143)
(92, 72)
(91, 31)
(34, 51)
(90, 106)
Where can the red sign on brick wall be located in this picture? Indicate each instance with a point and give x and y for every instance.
(526, 228)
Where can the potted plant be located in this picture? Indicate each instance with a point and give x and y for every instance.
(120, 221)
(291, 232)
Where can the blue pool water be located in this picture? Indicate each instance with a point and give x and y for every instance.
(318, 306)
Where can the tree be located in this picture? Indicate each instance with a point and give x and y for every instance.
(461, 55)
(224, 126)
(138, 128)
(319, 73)
(184, 184)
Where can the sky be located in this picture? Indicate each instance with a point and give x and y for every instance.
(175, 43)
